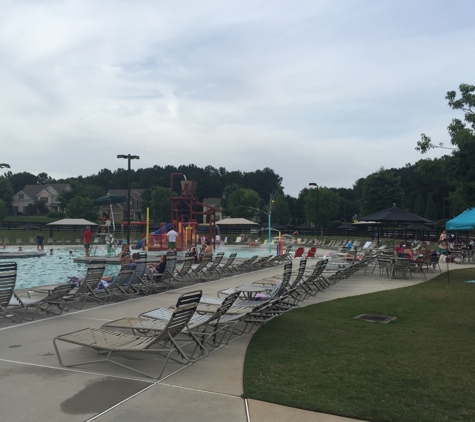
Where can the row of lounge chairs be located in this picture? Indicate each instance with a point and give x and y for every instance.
(183, 335)
(129, 283)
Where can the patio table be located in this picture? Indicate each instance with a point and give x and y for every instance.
(249, 291)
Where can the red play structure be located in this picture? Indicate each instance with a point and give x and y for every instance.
(183, 216)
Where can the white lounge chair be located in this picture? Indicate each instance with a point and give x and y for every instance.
(164, 343)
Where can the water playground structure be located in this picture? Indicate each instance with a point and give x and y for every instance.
(184, 212)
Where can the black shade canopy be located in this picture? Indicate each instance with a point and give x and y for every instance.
(418, 226)
(395, 215)
(304, 226)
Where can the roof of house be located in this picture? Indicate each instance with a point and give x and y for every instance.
(32, 191)
(211, 201)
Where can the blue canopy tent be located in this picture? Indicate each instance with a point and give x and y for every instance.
(464, 221)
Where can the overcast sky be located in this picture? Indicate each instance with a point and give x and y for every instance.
(320, 91)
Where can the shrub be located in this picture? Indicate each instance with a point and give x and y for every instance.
(56, 214)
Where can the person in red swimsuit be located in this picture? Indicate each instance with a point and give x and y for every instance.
(87, 239)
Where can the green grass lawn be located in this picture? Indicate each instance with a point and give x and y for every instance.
(420, 367)
(24, 235)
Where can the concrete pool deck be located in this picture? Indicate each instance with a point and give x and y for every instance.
(35, 387)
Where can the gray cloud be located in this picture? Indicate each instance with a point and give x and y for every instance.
(319, 91)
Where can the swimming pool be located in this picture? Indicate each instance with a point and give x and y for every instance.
(51, 269)
(54, 269)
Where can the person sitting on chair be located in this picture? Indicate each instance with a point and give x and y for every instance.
(103, 221)
(192, 252)
(158, 267)
(206, 250)
(444, 248)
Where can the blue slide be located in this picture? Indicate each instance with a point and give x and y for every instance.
(161, 230)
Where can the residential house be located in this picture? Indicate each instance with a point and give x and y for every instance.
(47, 193)
(212, 202)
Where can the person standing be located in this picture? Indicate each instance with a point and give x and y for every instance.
(87, 240)
(40, 238)
(172, 236)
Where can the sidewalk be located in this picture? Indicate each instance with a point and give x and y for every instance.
(35, 387)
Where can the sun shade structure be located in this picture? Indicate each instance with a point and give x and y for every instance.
(236, 222)
(304, 226)
(395, 215)
(418, 226)
(464, 221)
(110, 199)
(72, 222)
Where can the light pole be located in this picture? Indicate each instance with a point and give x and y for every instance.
(268, 223)
(128, 157)
(271, 201)
(314, 185)
(4, 166)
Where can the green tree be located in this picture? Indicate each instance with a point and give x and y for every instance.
(80, 187)
(80, 207)
(43, 178)
(40, 206)
(381, 190)
(77, 189)
(462, 137)
(431, 209)
(3, 210)
(321, 206)
(6, 191)
(419, 208)
(242, 203)
(161, 204)
(228, 190)
(19, 180)
(329, 206)
(30, 210)
(94, 191)
(280, 210)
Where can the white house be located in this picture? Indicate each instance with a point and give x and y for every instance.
(47, 193)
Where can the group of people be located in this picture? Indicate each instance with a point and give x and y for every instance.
(449, 242)
(206, 250)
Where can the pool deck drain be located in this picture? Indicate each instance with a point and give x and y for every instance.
(375, 318)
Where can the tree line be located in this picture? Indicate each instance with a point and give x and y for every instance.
(437, 189)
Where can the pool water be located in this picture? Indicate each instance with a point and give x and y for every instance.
(52, 269)
(245, 251)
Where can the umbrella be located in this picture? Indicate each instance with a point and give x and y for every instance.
(29, 226)
(110, 199)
